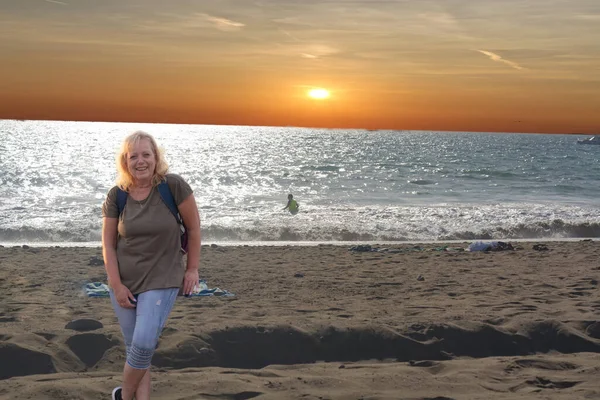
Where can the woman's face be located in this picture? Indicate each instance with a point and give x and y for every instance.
(141, 161)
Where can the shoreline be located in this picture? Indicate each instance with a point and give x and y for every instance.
(305, 243)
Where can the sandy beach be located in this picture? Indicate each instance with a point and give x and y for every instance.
(405, 321)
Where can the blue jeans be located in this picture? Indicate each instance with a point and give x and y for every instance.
(141, 326)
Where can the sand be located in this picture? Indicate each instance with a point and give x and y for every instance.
(322, 322)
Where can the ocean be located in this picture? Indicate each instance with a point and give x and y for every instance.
(352, 185)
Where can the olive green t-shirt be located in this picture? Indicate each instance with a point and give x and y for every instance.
(148, 238)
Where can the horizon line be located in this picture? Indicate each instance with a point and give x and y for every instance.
(301, 127)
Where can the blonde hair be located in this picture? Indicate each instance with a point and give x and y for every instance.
(124, 178)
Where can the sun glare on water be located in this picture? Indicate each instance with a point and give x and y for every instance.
(318, 93)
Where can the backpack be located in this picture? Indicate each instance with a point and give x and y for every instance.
(167, 198)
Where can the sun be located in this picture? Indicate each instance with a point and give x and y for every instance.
(318, 93)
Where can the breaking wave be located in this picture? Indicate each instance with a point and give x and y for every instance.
(556, 229)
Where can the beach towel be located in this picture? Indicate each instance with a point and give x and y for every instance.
(99, 289)
(203, 290)
(96, 289)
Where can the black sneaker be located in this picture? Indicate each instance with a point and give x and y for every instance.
(116, 394)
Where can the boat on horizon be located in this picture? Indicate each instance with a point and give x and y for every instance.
(592, 140)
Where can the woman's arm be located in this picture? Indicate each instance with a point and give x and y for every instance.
(191, 218)
(109, 250)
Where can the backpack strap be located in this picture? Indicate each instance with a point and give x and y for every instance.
(121, 200)
(167, 197)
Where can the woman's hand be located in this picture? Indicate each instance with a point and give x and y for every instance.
(124, 296)
(190, 281)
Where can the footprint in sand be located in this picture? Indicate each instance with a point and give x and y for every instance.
(544, 383)
(231, 396)
(540, 364)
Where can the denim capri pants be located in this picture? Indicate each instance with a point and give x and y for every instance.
(141, 326)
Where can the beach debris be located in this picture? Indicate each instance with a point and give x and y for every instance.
(84, 325)
(453, 249)
(420, 278)
(362, 248)
(217, 248)
(540, 247)
(416, 248)
(422, 363)
(490, 246)
(369, 248)
(96, 261)
(299, 275)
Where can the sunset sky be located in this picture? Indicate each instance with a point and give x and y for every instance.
(467, 65)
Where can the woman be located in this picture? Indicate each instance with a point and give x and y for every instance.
(142, 254)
